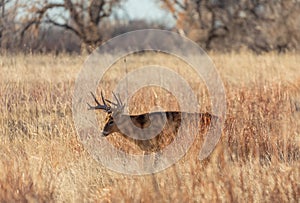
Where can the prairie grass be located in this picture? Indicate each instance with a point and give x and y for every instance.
(256, 160)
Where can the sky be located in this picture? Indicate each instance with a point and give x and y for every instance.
(149, 10)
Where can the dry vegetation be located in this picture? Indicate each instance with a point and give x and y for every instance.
(257, 159)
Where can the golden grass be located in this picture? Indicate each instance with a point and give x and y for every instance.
(256, 160)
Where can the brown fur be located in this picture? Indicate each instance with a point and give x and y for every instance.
(165, 137)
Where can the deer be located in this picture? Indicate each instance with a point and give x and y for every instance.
(118, 122)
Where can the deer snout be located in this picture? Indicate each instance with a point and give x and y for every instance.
(104, 133)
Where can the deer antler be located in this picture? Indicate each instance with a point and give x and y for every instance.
(104, 107)
(118, 106)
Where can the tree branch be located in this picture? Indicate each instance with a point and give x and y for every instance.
(37, 21)
(65, 26)
(95, 9)
(181, 5)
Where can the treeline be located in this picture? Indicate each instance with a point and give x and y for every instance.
(52, 39)
(221, 25)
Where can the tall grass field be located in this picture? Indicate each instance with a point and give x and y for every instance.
(257, 158)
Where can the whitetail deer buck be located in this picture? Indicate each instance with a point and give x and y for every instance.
(116, 120)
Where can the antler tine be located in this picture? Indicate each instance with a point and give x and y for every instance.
(118, 99)
(113, 103)
(90, 107)
(97, 102)
(103, 100)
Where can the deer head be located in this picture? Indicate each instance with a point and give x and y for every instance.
(112, 112)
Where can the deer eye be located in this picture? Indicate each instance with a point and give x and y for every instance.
(110, 122)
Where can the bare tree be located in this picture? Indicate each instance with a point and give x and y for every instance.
(261, 25)
(81, 17)
(2, 6)
(7, 23)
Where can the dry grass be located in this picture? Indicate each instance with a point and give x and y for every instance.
(257, 159)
